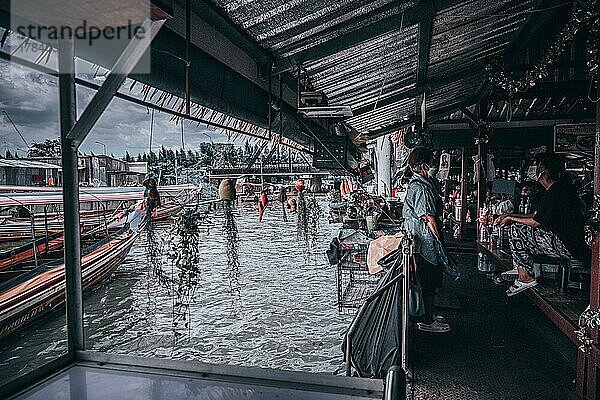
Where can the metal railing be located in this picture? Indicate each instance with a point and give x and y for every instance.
(395, 379)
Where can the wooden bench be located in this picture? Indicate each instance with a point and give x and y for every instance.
(563, 309)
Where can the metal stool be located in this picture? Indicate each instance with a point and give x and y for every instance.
(565, 269)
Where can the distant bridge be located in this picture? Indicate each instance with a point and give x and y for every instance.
(271, 170)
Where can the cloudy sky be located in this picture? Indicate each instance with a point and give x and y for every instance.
(31, 99)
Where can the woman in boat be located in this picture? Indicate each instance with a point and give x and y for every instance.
(152, 195)
(422, 216)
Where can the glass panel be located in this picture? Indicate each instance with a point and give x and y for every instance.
(32, 322)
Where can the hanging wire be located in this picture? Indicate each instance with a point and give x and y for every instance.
(182, 136)
(151, 128)
(589, 95)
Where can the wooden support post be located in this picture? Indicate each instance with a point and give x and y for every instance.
(588, 365)
(482, 152)
(463, 193)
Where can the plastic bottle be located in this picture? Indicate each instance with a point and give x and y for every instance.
(483, 236)
(483, 263)
(522, 206)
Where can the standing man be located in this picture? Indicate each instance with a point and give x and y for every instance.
(555, 229)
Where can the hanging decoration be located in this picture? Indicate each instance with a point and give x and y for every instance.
(263, 202)
(309, 213)
(580, 18)
(588, 321)
(593, 41)
(184, 252)
(227, 194)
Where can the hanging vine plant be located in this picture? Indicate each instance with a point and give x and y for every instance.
(184, 239)
(154, 256)
(227, 194)
(313, 214)
(309, 212)
(302, 220)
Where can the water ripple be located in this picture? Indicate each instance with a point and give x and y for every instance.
(285, 317)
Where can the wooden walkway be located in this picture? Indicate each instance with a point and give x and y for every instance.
(563, 309)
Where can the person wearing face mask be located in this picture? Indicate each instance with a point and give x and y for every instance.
(555, 229)
(422, 213)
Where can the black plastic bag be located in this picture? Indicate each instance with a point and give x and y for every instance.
(376, 340)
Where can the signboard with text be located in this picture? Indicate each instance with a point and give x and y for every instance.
(574, 138)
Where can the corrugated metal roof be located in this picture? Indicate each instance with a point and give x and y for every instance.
(21, 163)
(378, 75)
(289, 26)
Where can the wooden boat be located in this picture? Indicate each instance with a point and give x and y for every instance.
(12, 230)
(161, 213)
(25, 252)
(167, 211)
(42, 290)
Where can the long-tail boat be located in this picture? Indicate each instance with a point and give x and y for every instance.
(167, 211)
(38, 292)
(26, 251)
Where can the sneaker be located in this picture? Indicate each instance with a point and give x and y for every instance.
(434, 327)
(498, 280)
(439, 318)
(510, 274)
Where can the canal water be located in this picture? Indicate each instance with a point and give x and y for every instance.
(277, 311)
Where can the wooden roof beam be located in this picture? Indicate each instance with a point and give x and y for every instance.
(450, 78)
(569, 89)
(534, 23)
(438, 113)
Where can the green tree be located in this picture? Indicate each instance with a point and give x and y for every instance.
(48, 148)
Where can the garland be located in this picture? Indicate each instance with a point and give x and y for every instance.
(589, 319)
(593, 42)
(580, 18)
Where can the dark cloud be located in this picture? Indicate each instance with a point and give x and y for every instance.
(31, 99)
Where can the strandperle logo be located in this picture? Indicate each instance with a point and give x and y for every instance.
(86, 32)
(100, 31)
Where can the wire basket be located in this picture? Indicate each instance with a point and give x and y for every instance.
(354, 282)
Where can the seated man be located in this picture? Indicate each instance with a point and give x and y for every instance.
(555, 229)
